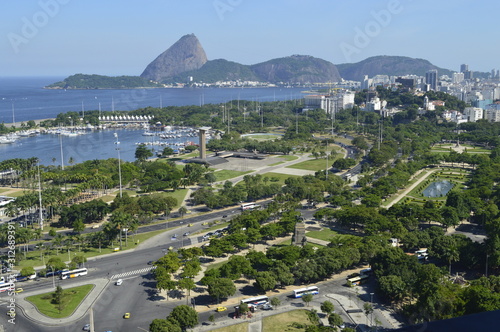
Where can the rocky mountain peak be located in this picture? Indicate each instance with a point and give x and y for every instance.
(185, 55)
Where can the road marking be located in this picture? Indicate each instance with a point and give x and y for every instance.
(126, 274)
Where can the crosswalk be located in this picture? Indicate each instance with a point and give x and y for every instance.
(131, 273)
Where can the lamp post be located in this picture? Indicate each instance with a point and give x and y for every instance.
(119, 162)
(126, 231)
(371, 314)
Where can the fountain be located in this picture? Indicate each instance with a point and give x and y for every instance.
(438, 189)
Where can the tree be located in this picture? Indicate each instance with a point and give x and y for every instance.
(167, 151)
(307, 298)
(221, 288)
(27, 271)
(184, 316)
(78, 226)
(57, 298)
(327, 307)
(211, 318)
(243, 308)
(187, 284)
(265, 281)
(142, 153)
(182, 211)
(164, 325)
(335, 320)
(275, 301)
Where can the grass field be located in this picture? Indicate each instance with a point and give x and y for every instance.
(34, 259)
(225, 174)
(263, 137)
(314, 164)
(71, 299)
(325, 234)
(288, 157)
(242, 327)
(281, 177)
(283, 322)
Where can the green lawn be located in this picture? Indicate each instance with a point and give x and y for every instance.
(71, 299)
(179, 195)
(314, 164)
(242, 327)
(283, 322)
(280, 177)
(289, 157)
(216, 265)
(33, 257)
(226, 174)
(325, 234)
(263, 137)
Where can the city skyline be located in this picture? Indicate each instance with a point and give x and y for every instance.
(64, 37)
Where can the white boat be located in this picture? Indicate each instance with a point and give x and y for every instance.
(6, 140)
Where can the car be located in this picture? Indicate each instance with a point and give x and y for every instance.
(170, 248)
(186, 234)
(119, 282)
(221, 309)
(11, 314)
(224, 216)
(127, 315)
(204, 223)
(150, 263)
(86, 327)
(19, 290)
(190, 225)
(267, 306)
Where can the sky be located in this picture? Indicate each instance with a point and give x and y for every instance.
(121, 37)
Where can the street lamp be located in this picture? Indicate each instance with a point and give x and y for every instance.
(119, 162)
(126, 231)
(371, 314)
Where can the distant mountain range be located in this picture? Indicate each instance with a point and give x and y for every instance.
(388, 65)
(186, 60)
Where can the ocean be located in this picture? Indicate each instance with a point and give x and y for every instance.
(24, 99)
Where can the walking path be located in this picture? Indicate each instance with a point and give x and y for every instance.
(405, 192)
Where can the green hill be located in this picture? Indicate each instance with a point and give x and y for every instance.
(218, 70)
(388, 65)
(82, 81)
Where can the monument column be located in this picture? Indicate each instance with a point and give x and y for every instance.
(203, 142)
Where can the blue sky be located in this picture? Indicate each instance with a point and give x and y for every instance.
(120, 37)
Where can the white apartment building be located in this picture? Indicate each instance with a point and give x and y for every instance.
(473, 114)
(492, 113)
(331, 103)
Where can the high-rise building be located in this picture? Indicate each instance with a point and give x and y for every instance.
(431, 78)
(458, 77)
(464, 68)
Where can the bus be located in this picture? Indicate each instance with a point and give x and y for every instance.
(74, 273)
(308, 290)
(255, 301)
(249, 206)
(355, 281)
(4, 287)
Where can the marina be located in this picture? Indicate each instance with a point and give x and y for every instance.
(81, 145)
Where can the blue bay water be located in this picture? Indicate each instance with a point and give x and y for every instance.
(24, 99)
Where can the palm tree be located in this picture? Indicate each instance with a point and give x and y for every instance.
(182, 211)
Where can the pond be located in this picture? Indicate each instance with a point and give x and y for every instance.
(438, 189)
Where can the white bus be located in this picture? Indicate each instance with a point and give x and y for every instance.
(74, 273)
(249, 206)
(4, 287)
(255, 301)
(308, 290)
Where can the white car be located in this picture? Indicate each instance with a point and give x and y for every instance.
(267, 306)
(119, 282)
